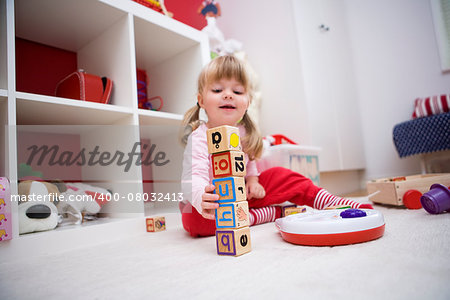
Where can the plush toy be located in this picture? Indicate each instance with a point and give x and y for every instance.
(210, 9)
(80, 200)
(217, 40)
(37, 209)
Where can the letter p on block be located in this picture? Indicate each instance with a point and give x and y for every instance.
(223, 138)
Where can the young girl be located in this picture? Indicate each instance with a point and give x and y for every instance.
(225, 93)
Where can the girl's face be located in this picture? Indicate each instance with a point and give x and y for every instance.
(224, 101)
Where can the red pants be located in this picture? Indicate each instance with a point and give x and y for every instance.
(280, 185)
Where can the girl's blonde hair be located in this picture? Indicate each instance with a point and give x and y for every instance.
(227, 67)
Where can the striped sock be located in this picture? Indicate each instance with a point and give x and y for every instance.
(324, 199)
(264, 214)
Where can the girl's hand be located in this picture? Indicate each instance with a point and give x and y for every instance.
(254, 188)
(208, 204)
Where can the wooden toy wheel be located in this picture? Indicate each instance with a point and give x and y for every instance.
(411, 199)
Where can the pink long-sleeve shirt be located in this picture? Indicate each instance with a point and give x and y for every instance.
(197, 172)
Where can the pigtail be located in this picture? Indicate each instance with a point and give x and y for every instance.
(191, 121)
(252, 142)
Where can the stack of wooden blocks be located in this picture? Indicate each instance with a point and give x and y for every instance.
(232, 216)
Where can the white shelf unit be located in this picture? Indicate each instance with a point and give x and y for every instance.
(3, 137)
(110, 38)
(3, 51)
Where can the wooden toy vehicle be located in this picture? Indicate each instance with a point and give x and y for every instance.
(405, 190)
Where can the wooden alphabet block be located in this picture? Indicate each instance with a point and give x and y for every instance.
(233, 242)
(230, 189)
(292, 210)
(229, 163)
(232, 215)
(223, 138)
(338, 207)
(155, 224)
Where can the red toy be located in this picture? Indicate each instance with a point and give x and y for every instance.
(278, 139)
(82, 86)
(143, 101)
(404, 190)
(437, 199)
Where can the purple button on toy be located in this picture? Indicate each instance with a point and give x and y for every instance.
(353, 213)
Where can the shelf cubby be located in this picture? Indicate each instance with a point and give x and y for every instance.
(97, 33)
(99, 155)
(169, 65)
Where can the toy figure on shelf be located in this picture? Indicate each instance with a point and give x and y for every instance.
(37, 206)
(210, 8)
(219, 45)
(80, 202)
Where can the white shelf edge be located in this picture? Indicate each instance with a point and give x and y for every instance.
(72, 102)
(160, 115)
(156, 18)
(74, 235)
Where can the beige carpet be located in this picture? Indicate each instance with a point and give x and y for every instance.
(411, 261)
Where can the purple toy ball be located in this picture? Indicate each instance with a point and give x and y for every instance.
(437, 199)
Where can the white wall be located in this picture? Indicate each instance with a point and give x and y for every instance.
(396, 60)
(395, 57)
(266, 29)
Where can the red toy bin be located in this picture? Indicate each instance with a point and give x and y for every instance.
(40, 67)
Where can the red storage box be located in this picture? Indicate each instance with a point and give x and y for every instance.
(82, 86)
